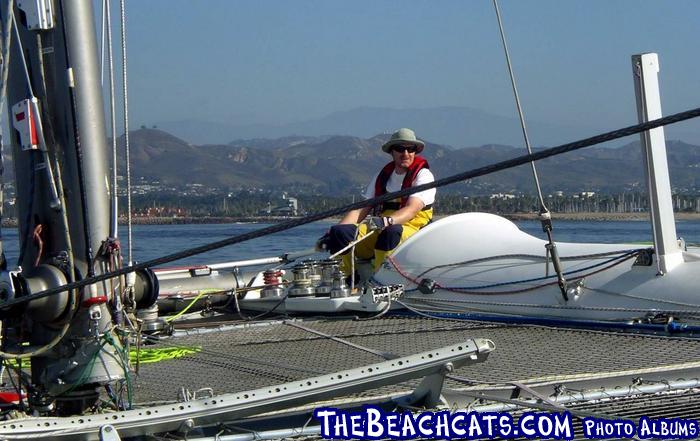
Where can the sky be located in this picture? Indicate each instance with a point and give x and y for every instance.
(280, 61)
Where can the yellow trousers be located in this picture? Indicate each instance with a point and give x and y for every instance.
(366, 249)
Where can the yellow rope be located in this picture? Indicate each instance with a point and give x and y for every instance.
(148, 355)
(187, 308)
(155, 355)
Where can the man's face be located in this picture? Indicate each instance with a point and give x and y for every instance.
(403, 155)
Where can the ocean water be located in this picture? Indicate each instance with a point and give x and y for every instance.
(153, 241)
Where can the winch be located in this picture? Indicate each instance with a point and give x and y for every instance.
(273, 281)
(301, 282)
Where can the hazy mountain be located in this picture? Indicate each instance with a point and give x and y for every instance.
(454, 126)
(346, 163)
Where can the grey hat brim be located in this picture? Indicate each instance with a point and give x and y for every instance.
(418, 143)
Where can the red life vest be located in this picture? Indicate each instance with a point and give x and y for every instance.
(418, 164)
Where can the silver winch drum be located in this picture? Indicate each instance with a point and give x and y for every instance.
(314, 272)
(301, 283)
(339, 288)
(327, 267)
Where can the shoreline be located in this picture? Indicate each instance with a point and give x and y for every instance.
(599, 217)
(584, 216)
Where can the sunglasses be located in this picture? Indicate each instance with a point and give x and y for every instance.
(404, 148)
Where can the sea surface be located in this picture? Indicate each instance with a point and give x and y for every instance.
(153, 241)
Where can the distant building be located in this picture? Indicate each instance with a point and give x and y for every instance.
(287, 206)
(161, 212)
(502, 196)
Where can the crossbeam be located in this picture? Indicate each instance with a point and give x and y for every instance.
(235, 406)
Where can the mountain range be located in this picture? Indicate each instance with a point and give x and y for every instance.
(451, 126)
(345, 164)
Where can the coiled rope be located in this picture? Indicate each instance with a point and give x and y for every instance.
(481, 171)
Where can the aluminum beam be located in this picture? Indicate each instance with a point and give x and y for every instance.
(235, 406)
(646, 82)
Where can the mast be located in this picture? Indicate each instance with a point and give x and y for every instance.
(60, 153)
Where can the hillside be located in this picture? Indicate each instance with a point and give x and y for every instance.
(334, 164)
(340, 165)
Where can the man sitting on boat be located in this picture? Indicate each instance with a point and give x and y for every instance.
(395, 220)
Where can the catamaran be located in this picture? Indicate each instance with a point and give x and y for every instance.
(86, 354)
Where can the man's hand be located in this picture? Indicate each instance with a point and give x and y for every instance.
(380, 222)
(323, 242)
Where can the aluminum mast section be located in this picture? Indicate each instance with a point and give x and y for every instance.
(59, 146)
(646, 82)
(89, 116)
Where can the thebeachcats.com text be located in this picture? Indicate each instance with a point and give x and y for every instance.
(374, 423)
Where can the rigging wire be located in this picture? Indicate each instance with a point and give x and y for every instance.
(122, 9)
(21, 51)
(102, 42)
(521, 115)
(114, 225)
(282, 226)
(545, 216)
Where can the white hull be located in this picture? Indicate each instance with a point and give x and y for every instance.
(526, 286)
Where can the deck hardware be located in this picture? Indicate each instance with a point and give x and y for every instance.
(428, 394)
(644, 257)
(200, 271)
(109, 433)
(427, 286)
(39, 14)
(520, 387)
(339, 287)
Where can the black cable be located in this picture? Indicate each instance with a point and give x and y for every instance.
(89, 253)
(524, 256)
(503, 165)
(24, 240)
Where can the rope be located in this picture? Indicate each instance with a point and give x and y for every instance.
(114, 229)
(481, 171)
(351, 244)
(443, 302)
(126, 129)
(471, 290)
(533, 257)
(613, 262)
(383, 354)
(191, 304)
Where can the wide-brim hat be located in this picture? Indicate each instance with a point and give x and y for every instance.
(403, 136)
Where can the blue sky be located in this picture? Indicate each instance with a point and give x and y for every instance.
(274, 61)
